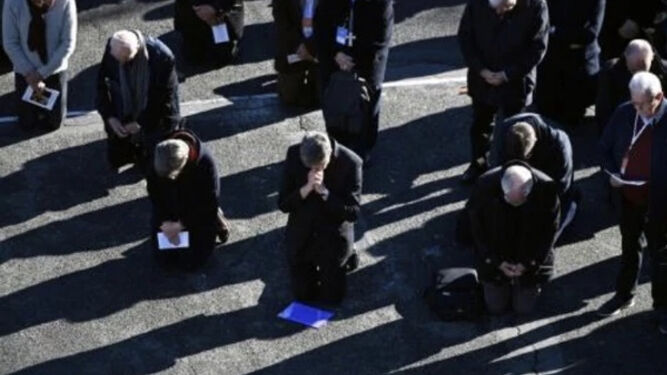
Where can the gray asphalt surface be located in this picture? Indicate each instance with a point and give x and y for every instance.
(80, 293)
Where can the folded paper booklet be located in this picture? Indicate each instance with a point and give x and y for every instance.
(44, 100)
(622, 181)
(220, 33)
(164, 243)
(306, 315)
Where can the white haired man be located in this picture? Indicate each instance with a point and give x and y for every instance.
(321, 192)
(514, 216)
(39, 37)
(633, 148)
(639, 56)
(137, 96)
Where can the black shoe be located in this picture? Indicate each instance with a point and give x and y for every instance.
(615, 305)
(223, 227)
(471, 174)
(352, 263)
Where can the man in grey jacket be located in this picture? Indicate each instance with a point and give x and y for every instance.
(39, 36)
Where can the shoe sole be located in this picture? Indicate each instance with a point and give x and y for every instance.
(617, 311)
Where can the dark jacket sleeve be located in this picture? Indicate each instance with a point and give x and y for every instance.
(168, 106)
(588, 32)
(288, 34)
(103, 98)
(545, 226)
(606, 144)
(346, 207)
(563, 167)
(487, 259)
(604, 103)
(537, 47)
(207, 184)
(157, 199)
(289, 197)
(466, 36)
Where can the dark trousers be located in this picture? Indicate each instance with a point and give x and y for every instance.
(31, 116)
(482, 129)
(633, 224)
(200, 50)
(320, 280)
(300, 88)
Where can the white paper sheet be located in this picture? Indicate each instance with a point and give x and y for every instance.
(46, 101)
(164, 243)
(220, 33)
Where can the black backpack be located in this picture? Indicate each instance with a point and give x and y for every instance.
(456, 294)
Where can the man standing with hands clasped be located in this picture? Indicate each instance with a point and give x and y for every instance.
(502, 42)
(321, 192)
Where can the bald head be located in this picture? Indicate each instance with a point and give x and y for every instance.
(124, 45)
(517, 183)
(638, 56)
(502, 6)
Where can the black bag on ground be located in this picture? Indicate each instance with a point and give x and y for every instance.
(346, 103)
(455, 295)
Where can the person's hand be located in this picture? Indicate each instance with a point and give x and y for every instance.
(132, 127)
(35, 80)
(629, 30)
(314, 178)
(117, 127)
(345, 62)
(519, 269)
(303, 53)
(614, 180)
(206, 13)
(322, 190)
(507, 269)
(493, 78)
(171, 230)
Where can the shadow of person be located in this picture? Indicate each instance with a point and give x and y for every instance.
(424, 57)
(27, 196)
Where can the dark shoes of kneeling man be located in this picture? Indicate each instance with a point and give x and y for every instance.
(617, 304)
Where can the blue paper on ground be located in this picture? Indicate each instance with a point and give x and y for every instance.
(306, 315)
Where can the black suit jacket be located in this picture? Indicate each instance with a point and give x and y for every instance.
(187, 22)
(552, 153)
(373, 28)
(318, 229)
(514, 44)
(492, 224)
(287, 16)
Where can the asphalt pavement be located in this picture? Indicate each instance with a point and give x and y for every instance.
(80, 293)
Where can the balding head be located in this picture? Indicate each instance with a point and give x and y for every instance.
(517, 183)
(638, 56)
(502, 6)
(124, 45)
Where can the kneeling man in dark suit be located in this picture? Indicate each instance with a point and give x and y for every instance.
(321, 192)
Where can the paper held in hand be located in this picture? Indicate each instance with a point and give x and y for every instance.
(293, 58)
(164, 243)
(621, 181)
(220, 33)
(44, 100)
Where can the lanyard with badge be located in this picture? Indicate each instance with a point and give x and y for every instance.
(345, 35)
(636, 133)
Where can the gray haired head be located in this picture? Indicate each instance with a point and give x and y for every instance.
(315, 149)
(645, 83)
(170, 157)
(520, 141)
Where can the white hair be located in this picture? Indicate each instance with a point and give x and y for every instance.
(125, 39)
(515, 177)
(645, 83)
(639, 47)
(170, 157)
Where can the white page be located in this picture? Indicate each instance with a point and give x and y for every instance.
(220, 33)
(47, 102)
(164, 243)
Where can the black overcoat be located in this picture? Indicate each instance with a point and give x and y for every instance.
(287, 16)
(187, 22)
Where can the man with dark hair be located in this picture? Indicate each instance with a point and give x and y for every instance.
(354, 36)
(567, 76)
(321, 192)
(513, 213)
(195, 20)
(633, 149)
(529, 138)
(137, 96)
(639, 56)
(296, 55)
(502, 42)
(184, 188)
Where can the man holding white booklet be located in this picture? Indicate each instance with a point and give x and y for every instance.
(39, 37)
(634, 154)
(183, 186)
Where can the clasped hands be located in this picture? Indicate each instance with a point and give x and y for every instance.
(171, 230)
(121, 130)
(512, 270)
(315, 183)
(493, 78)
(36, 82)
